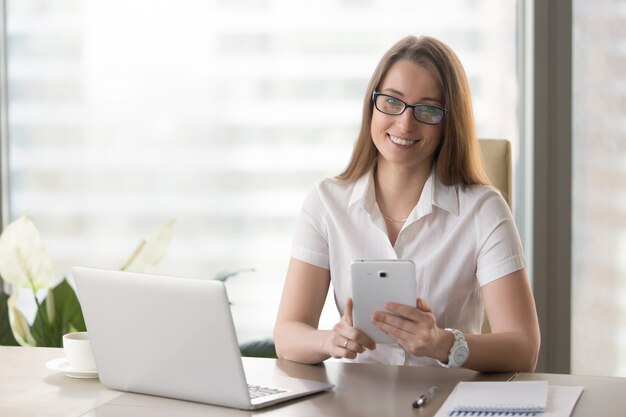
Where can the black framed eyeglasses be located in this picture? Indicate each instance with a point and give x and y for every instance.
(425, 113)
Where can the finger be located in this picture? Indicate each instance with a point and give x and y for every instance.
(340, 353)
(391, 319)
(394, 330)
(363, 340)
(347, 348)
(350, 338)
(349, 354)
(352, 333)
(347, 312)
(353, 346)
(394, 325)
(423, 305)
(412, 313)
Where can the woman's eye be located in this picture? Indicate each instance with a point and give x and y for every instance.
(393, 101)
(427, 111)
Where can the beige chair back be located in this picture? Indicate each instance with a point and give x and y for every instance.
(497, 161)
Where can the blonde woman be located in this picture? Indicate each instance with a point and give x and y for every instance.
(413, 189)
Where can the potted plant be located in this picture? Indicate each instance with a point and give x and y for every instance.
(27, 266)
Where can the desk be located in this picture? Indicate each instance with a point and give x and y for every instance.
(27, 388)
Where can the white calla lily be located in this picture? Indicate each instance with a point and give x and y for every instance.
(19, 324)
(24, 261)
(149, 253)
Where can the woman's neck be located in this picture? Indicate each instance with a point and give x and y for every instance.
(398, 188)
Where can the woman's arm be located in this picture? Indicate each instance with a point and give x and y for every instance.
(295, 333)
(512, 345)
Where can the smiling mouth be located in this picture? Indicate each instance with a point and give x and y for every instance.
(402, 141)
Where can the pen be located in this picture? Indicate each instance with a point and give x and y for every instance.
(425, 397)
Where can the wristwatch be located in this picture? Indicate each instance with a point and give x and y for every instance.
(458, 352)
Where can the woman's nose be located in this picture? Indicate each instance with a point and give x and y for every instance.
(406, 119)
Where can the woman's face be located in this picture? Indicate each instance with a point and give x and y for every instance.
(402, 139)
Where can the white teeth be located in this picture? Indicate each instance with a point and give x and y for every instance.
(400, 141)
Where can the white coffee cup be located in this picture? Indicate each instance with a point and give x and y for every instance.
(78, 352)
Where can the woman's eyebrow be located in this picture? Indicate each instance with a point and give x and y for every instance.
(434, 100)
(399, 93)
(392, 91)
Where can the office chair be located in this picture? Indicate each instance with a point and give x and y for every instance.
(496, 155)
(497, 161)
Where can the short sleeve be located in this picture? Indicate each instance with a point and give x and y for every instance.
(310, 243)
(499, 247)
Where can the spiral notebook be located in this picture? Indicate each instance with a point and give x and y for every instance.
(516, 398)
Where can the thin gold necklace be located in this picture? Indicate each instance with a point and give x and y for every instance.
(390, 219)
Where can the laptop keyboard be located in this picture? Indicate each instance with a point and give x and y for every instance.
(257, 391)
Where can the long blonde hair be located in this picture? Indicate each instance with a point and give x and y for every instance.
(457, 159)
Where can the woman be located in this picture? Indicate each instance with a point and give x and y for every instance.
(413, 189)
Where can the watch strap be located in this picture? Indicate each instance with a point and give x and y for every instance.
(459, 343)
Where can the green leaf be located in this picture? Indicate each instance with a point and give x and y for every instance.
(68, 317)
(224, 275)
(42, 331)
(6, 334)
(258, 349)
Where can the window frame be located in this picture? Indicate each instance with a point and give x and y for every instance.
(4, 182)
(548, 139)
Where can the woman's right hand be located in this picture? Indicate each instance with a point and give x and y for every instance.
(345, 341)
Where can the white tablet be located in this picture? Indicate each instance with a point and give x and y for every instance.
(373, 284)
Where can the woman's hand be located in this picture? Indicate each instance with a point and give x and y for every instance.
(345, 341)
(415, 329)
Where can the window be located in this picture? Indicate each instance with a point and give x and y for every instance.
(220, 115)
(599, 196)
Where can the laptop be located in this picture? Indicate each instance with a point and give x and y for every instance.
(173, 337)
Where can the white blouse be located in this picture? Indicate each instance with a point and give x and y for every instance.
(459, 238)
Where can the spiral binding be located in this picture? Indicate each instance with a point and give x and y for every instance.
(489, 413)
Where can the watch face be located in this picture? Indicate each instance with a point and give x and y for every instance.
(460, 355)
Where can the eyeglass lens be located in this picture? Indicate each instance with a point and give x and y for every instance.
(422, 112)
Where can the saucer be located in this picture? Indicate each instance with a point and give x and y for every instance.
(62, 365)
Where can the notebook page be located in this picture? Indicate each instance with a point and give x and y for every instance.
(512, 397)
(516, 396)
(561, 402)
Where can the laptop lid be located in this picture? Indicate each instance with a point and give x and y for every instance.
(168, 336)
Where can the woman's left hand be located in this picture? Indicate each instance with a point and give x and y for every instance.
(415, 329)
